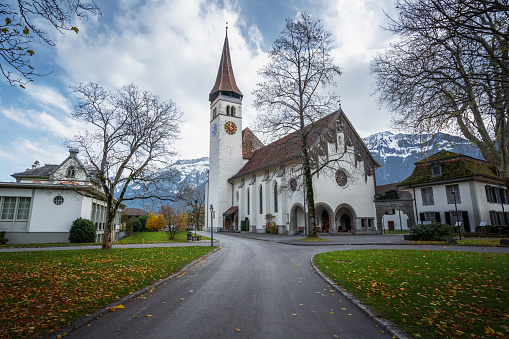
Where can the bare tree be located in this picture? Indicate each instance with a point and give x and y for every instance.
(129, 143)
(20, 28)
(291, 98)
(448, 68)
(194, 198)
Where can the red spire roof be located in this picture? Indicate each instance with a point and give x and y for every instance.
(225, 81)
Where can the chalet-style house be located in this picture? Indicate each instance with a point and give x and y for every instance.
(251, 184)
(446, 181)
(44, 201)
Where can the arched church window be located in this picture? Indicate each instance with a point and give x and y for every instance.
(237, 196)
(261, 199)
(71, 172)
(293, 184)
(248, 202)
(233, 111)
(275, 197)
(227, 110)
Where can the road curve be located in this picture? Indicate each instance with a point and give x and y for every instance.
(249, 289)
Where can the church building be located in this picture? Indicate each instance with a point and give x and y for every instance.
(251, 185)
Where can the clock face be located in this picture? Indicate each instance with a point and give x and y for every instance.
(230, 127)
(213, 129)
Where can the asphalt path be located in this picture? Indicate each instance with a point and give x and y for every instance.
(248, 289)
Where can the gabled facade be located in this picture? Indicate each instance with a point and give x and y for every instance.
(446, 181)
(44, 201)
(251, 184)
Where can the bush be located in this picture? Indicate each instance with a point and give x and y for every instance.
(271, 228)
(3, 239)
(82, 231)
(143, 224)
(432, 232)
(133, 225)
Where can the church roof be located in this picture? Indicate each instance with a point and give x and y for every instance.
(285, 148)
(225, 80)
(250, 143)
(39, 172)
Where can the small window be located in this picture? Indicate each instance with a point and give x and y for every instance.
(237, 196)
(427, 196)
(71, 172)
(429, 216)
(214, 112)
(293, 185)
(233, 111)
(58, 200)
(436, 170)
(227, 110)
(453, 194)
(341, 178)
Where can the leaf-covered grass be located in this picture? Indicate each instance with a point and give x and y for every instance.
(155, 237)
(52, 244)
(313, 239)
(41, 292)
(486, 242)
(430, 294)
(397, 232)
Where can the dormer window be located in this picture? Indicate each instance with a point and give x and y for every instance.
(71, 172)
(436, 170)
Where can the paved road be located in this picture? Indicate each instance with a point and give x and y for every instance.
(264, 289)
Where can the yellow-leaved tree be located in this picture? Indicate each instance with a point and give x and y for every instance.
(156, 222)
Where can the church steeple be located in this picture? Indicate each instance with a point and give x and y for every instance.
(225, 80)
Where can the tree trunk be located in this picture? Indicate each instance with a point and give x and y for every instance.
(310, 198)
(108, 230)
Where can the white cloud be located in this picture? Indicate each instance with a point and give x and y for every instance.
(49, 97)
(43, 121)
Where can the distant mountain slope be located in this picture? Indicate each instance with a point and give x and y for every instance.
(398, 152)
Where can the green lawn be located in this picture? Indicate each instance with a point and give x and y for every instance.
(155, 237)
(397, 232)
(429, 294)
(41, 292)
(487, 242)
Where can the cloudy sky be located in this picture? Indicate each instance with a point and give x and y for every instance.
(172, 48)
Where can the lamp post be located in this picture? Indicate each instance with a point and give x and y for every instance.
(196, 207)
(211, 223)
(456, 215)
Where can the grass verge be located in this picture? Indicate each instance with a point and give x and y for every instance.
(313, 239)
(429, 294)
(486, 242)
(41, 292)
(397, 232)
(155, 237)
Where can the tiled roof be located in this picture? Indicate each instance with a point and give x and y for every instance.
(40, 172)
(382, 189)
(225, 80)
(284, 148)
(250, 143)
(454, 166)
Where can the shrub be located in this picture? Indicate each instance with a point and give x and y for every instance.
(82, 231)
(271, 228)
(143, 224)
(133, 225)
(434, 231)
(3, 239)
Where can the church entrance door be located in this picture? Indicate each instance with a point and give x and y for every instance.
(227, 223)
(391, 225)
(325, 221)
(346, 223)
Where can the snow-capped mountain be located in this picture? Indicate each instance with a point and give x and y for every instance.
(398, 152)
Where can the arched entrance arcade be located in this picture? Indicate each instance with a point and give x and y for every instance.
(345, 218)
(297, 219)
(324, 215)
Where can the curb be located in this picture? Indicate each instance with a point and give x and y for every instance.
(75, 324)
(388, 325)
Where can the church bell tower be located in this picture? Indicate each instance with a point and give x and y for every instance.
(225, 155)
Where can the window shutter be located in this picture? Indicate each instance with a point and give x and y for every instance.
(466, 222)
(448, 218)
(422, 217)
(437, 216)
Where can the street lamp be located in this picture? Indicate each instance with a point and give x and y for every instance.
(456, 215)
(196, 206)
(211, 222)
